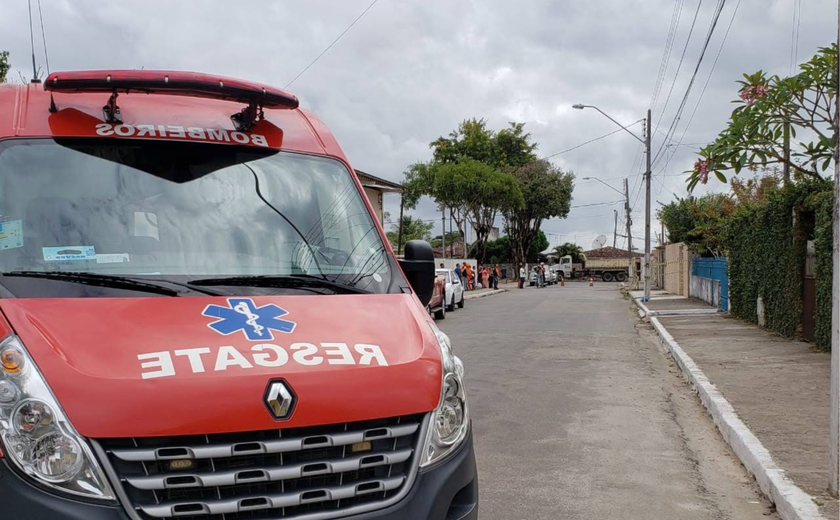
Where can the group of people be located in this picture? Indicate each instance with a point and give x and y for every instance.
(479, 278)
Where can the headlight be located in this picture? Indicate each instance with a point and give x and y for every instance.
(450, 420)
(36, 434)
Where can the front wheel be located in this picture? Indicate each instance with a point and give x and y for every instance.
(461, 303)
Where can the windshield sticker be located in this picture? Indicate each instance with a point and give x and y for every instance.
(113, 258)
(11, 234)
(68, 253)
(242, 314)
(214, 135)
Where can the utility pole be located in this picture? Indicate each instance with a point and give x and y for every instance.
(615, 228)
(834, 470)
(443, 232)
(647, 207)
(400, 229)
(629, 226)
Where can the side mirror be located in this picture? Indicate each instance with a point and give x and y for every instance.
(418, 265)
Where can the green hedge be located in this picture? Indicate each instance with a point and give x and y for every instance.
(821, 204)
(766, 256)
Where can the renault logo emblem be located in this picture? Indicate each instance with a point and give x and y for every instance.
(280, 400)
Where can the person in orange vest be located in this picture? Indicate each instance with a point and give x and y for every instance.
(496, 275)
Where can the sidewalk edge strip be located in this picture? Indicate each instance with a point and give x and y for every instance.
(484, 295)
(681, 312)
(791, 502)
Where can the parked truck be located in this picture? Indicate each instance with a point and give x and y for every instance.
(608, 269)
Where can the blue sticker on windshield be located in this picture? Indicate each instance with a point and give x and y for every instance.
(11, 234)
(68, 253)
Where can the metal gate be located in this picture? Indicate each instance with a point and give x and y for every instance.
(809, 297)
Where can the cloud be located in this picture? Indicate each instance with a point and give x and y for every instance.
(411, 70)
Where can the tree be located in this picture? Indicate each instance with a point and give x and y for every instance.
(4, 65)
(569, 249)
(770, 112)
(412, 229)
(547, 193)
(699, 222)
(475, 192)
(536, 248)
(756, 189)
(451, 237)
(466, 174)
(409, 197)
(497, 251)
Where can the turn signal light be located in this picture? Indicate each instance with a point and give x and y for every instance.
(12, 361)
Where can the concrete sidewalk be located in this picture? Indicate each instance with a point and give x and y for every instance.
(779, 388)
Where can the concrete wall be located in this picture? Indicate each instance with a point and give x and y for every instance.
(677, 269)
(705, 289)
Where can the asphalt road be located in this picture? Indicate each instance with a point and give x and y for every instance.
(577, 413)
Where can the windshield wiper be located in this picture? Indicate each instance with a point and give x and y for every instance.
(281, 281)
(99, 280)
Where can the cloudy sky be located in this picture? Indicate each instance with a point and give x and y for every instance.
(411, 70)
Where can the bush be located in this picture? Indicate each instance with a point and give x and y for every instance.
(766, 255)
(822, 204)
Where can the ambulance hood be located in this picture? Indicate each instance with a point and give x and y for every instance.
(134, 367)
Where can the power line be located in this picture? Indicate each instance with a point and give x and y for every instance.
(331, 45)
(679, 65)
(591, 140)
(596, 204)
(708, 79)
(672, 128)
(666, 53)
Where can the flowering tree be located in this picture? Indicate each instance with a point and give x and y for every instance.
(770, 107)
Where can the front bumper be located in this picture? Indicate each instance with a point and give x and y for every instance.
(445, 492)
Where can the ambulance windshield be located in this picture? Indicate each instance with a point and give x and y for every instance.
(185, 211)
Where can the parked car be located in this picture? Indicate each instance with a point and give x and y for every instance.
(200, 316)
(550, 276)
(454, 294)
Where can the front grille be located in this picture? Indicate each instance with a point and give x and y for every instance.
(325, 471)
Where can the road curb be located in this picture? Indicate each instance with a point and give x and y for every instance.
(791, 502)
(484, 295)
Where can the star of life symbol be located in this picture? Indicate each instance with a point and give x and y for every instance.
(243, 314)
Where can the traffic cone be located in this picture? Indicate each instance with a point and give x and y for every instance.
(591, 282)
(563, 281)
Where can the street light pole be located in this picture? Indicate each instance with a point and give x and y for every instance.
(646, 142)
(648, 131)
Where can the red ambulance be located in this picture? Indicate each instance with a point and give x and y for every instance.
(201, 318)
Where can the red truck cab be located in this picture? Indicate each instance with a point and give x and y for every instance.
(201, 319)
